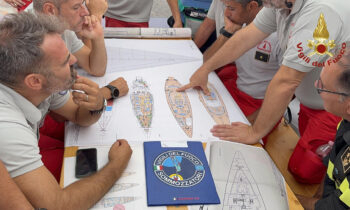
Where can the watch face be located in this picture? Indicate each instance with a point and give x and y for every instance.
(115, 93)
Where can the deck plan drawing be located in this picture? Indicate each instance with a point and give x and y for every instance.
(214, 105)
(245, 178)
(179, 105)
(142, 103)
(124, 118)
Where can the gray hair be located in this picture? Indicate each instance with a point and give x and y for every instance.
(343, 53)
(39, 4)
(244, 3)
(21, 37)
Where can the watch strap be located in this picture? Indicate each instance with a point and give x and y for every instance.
(114, 91)
(225, 33)
(100, 110)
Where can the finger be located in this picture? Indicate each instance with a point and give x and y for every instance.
(185, 87)
(205, 90)
(78, 96)
(86, 81)
(222, 133)
(86, 89)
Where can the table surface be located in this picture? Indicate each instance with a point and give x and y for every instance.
(293, 201)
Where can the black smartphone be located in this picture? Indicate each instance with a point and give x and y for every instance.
(86, 163)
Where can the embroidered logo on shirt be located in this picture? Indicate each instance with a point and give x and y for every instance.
(321, 43)
(321, 46)
(345, 157)
(265, 46)
(260, 56)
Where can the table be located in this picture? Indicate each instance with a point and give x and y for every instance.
(182, 63)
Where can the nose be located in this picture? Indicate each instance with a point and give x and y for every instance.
(72, 59)
(85, 11)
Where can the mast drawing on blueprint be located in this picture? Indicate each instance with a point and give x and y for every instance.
(113, 201)
(106, 116)
(122, 186)
(142, 103)
(180, 105)
(241, 190)
(214, 105)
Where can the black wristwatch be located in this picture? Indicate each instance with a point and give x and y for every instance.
(100, 110)
(225, 33)
(114, 91)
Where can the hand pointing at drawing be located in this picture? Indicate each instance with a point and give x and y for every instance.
(198, 79)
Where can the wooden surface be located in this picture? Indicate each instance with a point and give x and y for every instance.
(280, 146)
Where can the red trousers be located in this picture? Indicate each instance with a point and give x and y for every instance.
(316, 127)
(51, 144)
(111, 22)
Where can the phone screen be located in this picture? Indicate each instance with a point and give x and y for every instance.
(86, 163)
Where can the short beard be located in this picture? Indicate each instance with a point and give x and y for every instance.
(52, 87)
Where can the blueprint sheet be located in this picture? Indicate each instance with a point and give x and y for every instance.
(129, 192)
(245, 178)
(119, 121)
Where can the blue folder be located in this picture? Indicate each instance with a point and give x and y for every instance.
(178, 175)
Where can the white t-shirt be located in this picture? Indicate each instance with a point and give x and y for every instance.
(19, 129)
(216, 13)
(72, 42)
(256, 67)
(130, 10)
(295, 29)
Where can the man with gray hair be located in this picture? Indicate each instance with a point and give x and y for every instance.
(35, 73)
(333, 86)
(93, 59)
(308, 32)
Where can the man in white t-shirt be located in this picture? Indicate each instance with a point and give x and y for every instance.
(36, 70)
(256, 67)
(309, 32)
(136, 13)
(92, 56)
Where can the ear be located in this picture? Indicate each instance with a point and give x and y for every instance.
(50, 9)
(253, 5)
(34, 81)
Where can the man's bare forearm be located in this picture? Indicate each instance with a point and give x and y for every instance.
(98, 57)
(174, 7)
(214, 47)
(204, 31)
(235, 47)
(88, 191)
(277, 97)
(85, 118)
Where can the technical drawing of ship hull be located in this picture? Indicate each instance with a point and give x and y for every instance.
(106, 116)
(214, 105)
(142, 103)
(241, 191)
(180, 106)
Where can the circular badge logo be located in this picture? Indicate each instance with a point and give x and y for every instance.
(178, 168)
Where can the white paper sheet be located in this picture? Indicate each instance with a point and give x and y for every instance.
(245, 178)
(132, 54)
(129, 192)
(124, 125)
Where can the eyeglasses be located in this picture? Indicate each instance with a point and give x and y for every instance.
(319, 88)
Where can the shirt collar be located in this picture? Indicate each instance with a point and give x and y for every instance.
(31, 113)
(298, 4)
